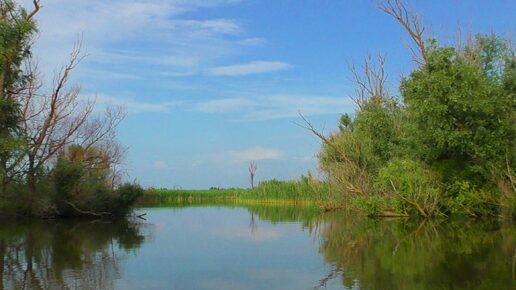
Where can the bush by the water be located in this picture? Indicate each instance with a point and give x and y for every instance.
(446, 145)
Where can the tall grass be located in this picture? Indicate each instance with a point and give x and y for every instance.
(154, 196)
(306, 190)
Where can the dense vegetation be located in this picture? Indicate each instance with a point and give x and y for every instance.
(57, 157)
(445, 145)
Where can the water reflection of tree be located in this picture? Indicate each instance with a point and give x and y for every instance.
(64, 255)
(419, 255)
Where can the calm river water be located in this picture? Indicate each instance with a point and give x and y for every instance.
(256, 247)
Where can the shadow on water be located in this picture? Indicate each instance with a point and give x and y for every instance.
(64, 254)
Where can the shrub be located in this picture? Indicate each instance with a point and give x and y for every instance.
(127, 195)
(414, 189)
(83, 186)
(373, 206)
(465, 198)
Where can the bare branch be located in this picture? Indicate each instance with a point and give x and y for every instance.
(55, 121)
(37, 6)
(370, 81)
(411, 23)
(308, 126)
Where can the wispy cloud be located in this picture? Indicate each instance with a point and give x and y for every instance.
(224, 105)
(154, 33)
(252, 41)
(250, 154)
(133, 106)
(276, 107)
(254, 67)
(159, 164)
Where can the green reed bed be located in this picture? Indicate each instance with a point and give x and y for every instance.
(306, 189)
(153, 196)
(295, 192)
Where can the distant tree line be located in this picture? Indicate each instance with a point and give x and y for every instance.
(58, 156)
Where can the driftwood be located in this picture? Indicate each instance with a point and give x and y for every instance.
(87, 212)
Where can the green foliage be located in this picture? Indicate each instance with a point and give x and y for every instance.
(345, 122)
(412, 187)
(366, 140)
(372, 206)
(81, 185)
(377, 128)
(16, 33)
(447, 145)
(465, 198)
(127, 195)
(459, 110)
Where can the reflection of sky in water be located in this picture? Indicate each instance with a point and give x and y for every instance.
(220, 248)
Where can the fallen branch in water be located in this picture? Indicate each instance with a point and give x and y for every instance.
(413, 203)
(325, 208)
(101, 214)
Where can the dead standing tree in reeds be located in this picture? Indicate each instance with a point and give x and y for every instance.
(252, 172)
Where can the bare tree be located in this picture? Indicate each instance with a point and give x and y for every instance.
(411, 23)
(56, 120)
(252, 172)
(370, 81)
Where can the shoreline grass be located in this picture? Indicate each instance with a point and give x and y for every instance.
(303, 192)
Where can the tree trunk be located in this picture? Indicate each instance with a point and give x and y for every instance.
(31, 180)
(2, 263)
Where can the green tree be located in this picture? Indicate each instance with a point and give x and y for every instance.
(17, 29)
(461, 104)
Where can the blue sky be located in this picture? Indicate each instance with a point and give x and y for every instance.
(211, 84)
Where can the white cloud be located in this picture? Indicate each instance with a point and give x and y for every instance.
(276, 106)
(250, 154)
(254, 67)
(225, 26)
(159, 164)
(155, 33)
(133, 106)
(224, 105)
(252, 41)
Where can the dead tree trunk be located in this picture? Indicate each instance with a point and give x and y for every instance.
(252, 172)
